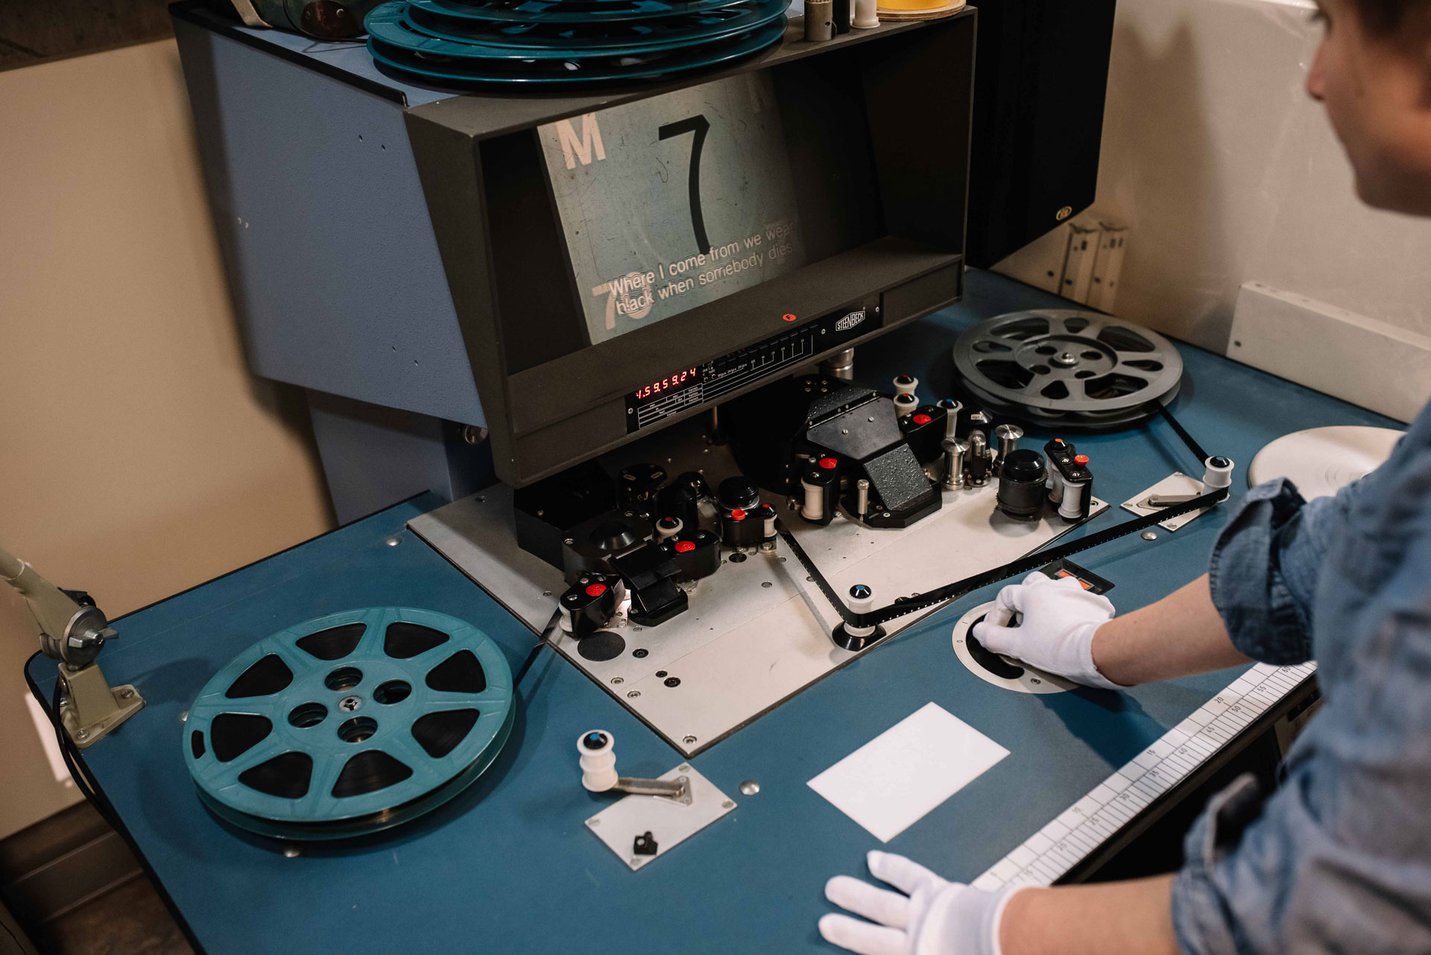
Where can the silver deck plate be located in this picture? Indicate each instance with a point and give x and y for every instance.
(758, 631)
(669, 822)
(1176, 484)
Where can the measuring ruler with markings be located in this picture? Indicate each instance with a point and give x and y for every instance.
(1055, 849)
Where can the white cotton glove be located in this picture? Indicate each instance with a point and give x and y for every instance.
(927, 916)
(1056, 634)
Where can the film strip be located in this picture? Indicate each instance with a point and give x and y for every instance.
(1024, 565)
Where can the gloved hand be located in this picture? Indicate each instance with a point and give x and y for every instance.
(1056, 634)
(927, 916)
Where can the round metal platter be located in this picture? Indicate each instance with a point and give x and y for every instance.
(999, 670)
(567, 12)
(1062, 364)
(430, 63)
(561, 41)
(349, 724)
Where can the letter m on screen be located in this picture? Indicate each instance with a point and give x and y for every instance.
(580, 147)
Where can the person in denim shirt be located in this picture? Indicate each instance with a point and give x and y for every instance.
(1339, 857)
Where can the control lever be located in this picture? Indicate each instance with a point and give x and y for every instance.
(598, 771)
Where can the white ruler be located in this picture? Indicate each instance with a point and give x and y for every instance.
(1056, 848)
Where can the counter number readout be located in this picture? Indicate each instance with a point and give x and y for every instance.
(685, 376)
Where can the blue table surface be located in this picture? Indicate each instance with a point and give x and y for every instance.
(509, 866)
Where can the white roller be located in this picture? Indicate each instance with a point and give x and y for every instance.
(598, 764)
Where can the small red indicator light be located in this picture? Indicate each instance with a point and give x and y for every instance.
(595, 590)
(738, 514)
(685, 547)
(921, 418)
(789, 317)
(829, 464)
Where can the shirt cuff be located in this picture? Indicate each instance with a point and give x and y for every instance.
(1264, 618)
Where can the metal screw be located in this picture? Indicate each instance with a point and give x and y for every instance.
(127, 694)
(767, 584)
(727, 805)
(593, 822)
(640, 653)
(660, 673)
(292, 852)
(481, 499)
(546, 593)
(393, 541)
(618, 680)
(749, 788)
(568, 542)
(471, 435)
(1150, 535)
(688, 740)
(82, 734)
(673, 681)
(632, 694)
(683, 768)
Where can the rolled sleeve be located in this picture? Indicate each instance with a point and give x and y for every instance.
(1264, 570)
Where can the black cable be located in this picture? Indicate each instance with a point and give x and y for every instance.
(84, 782)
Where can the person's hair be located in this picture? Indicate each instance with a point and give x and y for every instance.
(1385, 17)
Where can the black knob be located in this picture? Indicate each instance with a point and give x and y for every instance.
(739, 491)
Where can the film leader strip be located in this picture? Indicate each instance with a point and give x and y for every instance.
(1052, 852)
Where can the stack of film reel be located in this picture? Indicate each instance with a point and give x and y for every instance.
(1077, 370)
(547, 42)
(349, 724)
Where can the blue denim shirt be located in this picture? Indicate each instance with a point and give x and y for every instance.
(1338, 858)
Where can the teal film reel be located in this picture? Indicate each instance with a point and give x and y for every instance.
(350, 723)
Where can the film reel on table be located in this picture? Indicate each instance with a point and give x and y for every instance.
(1078, 370)
(349, 724)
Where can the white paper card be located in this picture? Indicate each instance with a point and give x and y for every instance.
(895, 779)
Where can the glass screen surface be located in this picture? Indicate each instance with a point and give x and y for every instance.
(675, 201)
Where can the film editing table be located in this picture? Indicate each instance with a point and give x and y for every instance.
(510, 864)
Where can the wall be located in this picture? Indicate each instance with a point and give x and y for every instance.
(137, 457)
(1226, 172)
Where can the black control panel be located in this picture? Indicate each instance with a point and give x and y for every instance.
(687, 387)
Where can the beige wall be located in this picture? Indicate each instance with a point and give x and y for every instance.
(137, 457)
(1227, 173)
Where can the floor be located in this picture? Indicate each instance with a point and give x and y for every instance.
(130, 919)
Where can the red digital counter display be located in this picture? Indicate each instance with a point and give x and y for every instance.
(682, 378)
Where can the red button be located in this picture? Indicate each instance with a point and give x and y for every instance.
(921, 419)
(685, 547)
(829, 464)
(737, 515)
(789, 317)
(595, 590)
(1080, 459)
